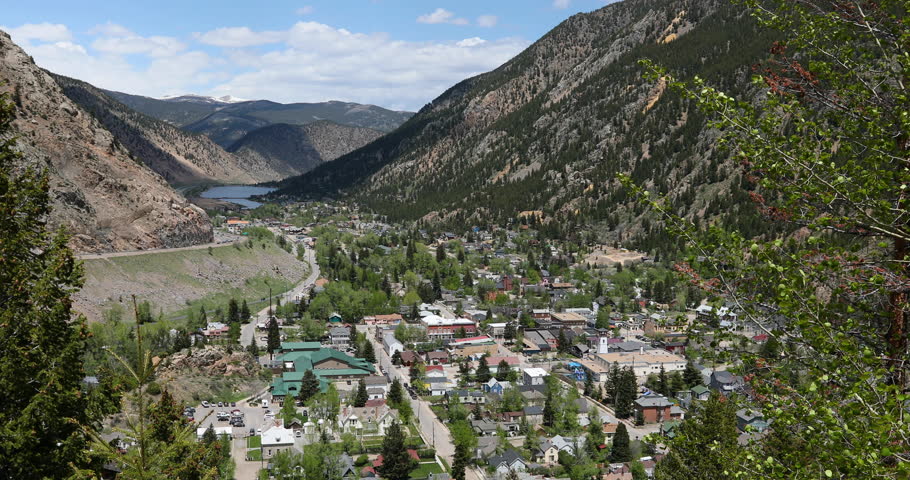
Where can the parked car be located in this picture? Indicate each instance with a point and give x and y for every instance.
(252, 432)
(205, 404)
(233, 404)
(220, 404)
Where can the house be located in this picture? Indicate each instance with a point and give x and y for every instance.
(438, 386)
(437, 358)
(276, 439)
(486, 447)
(494, 360)
(533, 414)
(235, 225)
(216, 329)
(696, 393)
(335, 318)
(547, 451)
(532, 395)
(534, 376)
(748, 417)
(484, 427)
(653, 408)
(725, 382)
(348, 471)
(340, 337)
(468, 397)
(377, 386)
(409, 358)
(366, 420)
(391, 345)
(495, 386)
(509, 461)
(496, 330)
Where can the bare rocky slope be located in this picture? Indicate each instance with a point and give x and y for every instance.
(551, 129)
(105, 199)
(180, 157)
(297, 149)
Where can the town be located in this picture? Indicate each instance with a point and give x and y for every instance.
(489, 354)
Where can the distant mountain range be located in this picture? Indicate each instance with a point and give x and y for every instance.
(550, 130)
(226, 123)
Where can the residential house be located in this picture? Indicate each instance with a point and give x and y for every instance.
(533, 395)
(366, 420)
(335, 317)
(495, 386)
(696, 393)
(748, 417)
(533, 414)
(534, 376)
(391, 345)
(493, 362)
(340, 337)
(496, 330)
(438, 386)
(653, 408)
(725, 382)
(509, 461)
(468, 397)
(377, 386)
(276, 439)
(409, 358)
(548, 450)
(437, 358)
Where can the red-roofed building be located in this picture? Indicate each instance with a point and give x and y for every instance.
(376, 402)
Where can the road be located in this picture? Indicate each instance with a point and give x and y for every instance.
(132, 253)
(248, 331)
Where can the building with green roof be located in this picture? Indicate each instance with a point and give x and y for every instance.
(329, 365)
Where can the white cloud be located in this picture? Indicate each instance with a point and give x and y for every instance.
(304, 10)
(487, 21)
(561, 4)
(239, 37)
(307, 62)
(43, 32)
(471, 42)
(441, 15)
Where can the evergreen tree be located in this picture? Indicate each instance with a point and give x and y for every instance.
(437, 285)
(253, 348)
(595, 439)
(621, 451)
(361, 396)
(233, 311)
(440, 253)
(549, 411)
(288, 411)
(396, 393)
(663, 383)
(502, 370)
(273, 341)
(482, 374)
(368, 352)
(562, 343)
(309, 386)
(165, 418)
(203, 319)
(461, 333)
(510, 331)
(692, 376)
(467, 280)
(245, 312)
(625, 393)
(589, 385)
(42, 341)
(710, 427)
(396, 358)
(397, 464)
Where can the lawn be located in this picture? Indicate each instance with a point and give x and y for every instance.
(254, 455)
(254, 442)
(425, 469)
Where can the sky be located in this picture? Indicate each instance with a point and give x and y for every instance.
(396, 54)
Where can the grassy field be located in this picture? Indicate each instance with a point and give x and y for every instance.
(175, 282)
(425, 469)
(254, 442)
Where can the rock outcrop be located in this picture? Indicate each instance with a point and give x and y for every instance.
(107, 200)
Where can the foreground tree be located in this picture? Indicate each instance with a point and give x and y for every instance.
(825, 148)
(621, 449)
(397, 464)
(42, 341)
(710, 427)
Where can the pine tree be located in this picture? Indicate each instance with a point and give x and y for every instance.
(253, 348)
(396, 395)
(710, 427)
(467, 280)
(502, 370)
(549, 411)
(309, 386)
(595, 439)
(437, 285)
(663, 384)
(203, 318)
(621, 451)
(42, 341)
(245, 312)
(510, 331)
(368, 353)
(397, 464)
(482, 374)
(692, 376)
(361, 396)
(233, 311)
(625, 393)
(440, 253)
(273, 341)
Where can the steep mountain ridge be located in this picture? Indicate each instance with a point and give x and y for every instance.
(103, 197)
(300, 148)
(550, 129)
(181, 158)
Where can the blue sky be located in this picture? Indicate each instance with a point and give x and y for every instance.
(395, 54)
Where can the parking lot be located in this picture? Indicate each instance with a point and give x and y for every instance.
(253, 417)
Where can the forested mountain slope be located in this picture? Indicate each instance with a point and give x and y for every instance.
(550, 129)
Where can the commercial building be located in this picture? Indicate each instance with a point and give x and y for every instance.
(439, 328)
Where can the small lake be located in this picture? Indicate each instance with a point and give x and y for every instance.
(238, 194)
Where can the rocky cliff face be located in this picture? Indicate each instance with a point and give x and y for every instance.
(551, 129)
(296, 149)
(180, 157)
(106, 199)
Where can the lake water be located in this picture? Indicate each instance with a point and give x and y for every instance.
(238, 194)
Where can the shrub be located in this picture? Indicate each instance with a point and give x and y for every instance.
(153, 388)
